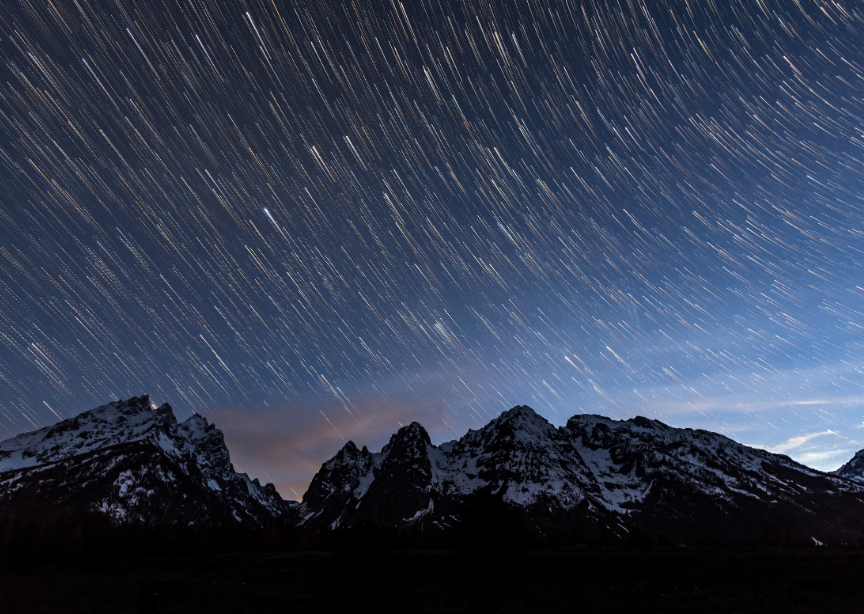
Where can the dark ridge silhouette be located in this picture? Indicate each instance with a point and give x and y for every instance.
(488, 524)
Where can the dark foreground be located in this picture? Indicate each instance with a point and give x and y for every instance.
(584, 580)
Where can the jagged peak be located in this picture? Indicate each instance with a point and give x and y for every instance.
(196, 418)
(647, 423)
(348, 454)
(521, 415)
(132, 406)
(411, 432)
(196, 421)
(349, 451)
(520, 422)
(410, 435)
(196, 426)
(142, 403)
(522, 410)
(168, 412)
(138, 410)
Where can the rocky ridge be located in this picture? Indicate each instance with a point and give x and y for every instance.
(681, 482)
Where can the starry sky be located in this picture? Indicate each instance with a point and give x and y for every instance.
(311, 221)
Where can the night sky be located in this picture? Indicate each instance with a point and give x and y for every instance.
(316, 221)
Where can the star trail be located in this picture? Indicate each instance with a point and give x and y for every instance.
(324, 211)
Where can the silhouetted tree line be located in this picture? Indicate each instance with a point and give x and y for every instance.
(92, 539)
(487, 527)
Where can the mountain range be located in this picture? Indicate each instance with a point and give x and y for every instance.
(594, 472)
(135, 462)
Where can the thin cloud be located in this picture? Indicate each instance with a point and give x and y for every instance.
(833, 458)
(819, 450)
(797, 442)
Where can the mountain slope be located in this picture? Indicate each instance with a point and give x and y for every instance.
(854, 469)
(678, 482)
(133, 461)
(690, 482)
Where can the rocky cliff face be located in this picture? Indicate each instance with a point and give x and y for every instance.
(679, 482)
(133, 461)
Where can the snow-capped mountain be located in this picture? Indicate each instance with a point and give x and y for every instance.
(134, 461)
(679, 482)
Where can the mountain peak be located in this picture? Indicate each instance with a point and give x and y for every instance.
(349, 453)
(141, 409)
(521, 410)
(132, 405)
(412, 432)
(195, 426)
(523, 418)
(518, 424)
